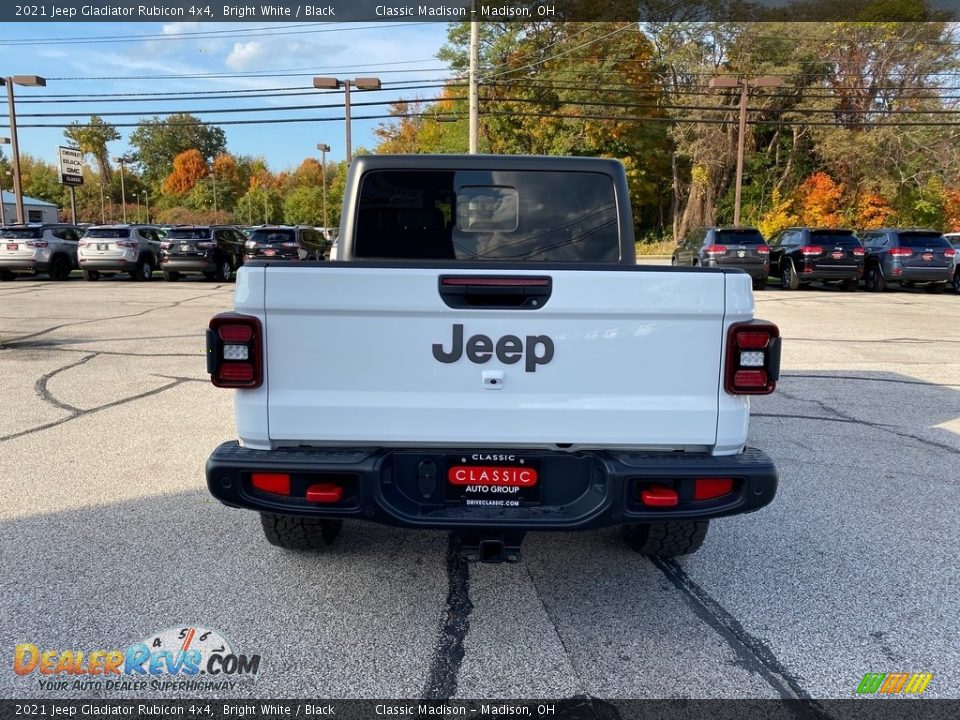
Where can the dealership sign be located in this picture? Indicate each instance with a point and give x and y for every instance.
(71, 166)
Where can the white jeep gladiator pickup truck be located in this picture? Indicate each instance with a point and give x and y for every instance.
(486, 357)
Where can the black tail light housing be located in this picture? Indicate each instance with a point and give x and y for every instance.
(235, 351)
(753, 358)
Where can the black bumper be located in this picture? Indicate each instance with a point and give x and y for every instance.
(406, 487)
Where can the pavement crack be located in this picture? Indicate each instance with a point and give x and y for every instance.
(553, 622)
(863, 379)
(41, 385)
(78, 413)
(448, 653)
(752, 653)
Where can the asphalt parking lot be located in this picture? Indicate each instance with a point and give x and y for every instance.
(108, 534)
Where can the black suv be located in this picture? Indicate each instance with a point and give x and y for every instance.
(216, 251)
(285, 242)
(800, 255)
(907, 257)
(741, 247)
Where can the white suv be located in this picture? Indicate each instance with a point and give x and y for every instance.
(954, 239)
(131, 249)
(38, 248)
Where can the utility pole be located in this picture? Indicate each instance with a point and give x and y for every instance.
(324, 149)
(474, 89)
(146, 199)
(29, 81)
(103, 219)
(3, 212)
(745, 84)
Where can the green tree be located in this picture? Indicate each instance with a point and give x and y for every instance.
(92, 139)
(304, 206)
(159, 140)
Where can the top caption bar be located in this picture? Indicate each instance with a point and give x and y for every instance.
(480, 11)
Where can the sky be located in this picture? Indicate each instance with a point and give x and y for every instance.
(261, 65)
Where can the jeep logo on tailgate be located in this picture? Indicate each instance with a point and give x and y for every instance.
(509, 349)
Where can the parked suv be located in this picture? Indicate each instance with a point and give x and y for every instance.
(741, 247)
(954, 240)
(216, 251)
(109, 249)
(907, 257)
(38, 248)
(285, 242)
(800, 255)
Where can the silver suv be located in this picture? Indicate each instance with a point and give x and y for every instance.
(38, 248)
(131, 249)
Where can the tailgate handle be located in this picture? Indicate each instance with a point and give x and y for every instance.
(500, 291)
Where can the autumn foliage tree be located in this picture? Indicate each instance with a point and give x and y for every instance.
(951, 210)
(873, 211)
(189, 167)
(818, 201)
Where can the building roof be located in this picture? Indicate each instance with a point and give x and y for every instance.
(9, 199)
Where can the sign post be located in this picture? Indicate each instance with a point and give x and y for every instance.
(71, 174)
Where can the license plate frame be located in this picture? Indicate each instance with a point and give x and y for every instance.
(503, 486)
(837, 255)
(103, 247)
(927, 257)
(13, 246)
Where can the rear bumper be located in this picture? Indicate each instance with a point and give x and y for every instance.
(406, 487)
(907, 274)
(27, 264)
(817, 272)
(117, 264)
(188, 265)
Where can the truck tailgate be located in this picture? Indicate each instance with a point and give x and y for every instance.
(350, 358)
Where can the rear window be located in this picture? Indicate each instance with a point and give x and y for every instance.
(740, 237)
(188, 234)
(108, 233)
(487, 215)
(923, 240)
(270, 237)
(835, 239)
(21, 233)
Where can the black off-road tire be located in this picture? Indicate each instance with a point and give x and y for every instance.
(143, 271)
(788, 276)
(293, 532)
(171, 275)
(667, 539)
(873, 279)
(59, 268)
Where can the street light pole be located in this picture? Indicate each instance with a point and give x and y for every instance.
(146, 198)
(474, 94)
(121, 161)
(745, 84)
(324, 149)
(328, 83)
(28, 81)
(136, 196)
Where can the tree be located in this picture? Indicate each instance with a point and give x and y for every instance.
(188, 169)
(818, 201)
(92, 139)
(304, 206)
(159, 140)
(778, 217)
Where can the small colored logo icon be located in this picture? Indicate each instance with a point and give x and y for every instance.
(894, 683)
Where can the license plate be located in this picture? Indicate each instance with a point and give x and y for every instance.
(492, 480)
(837, 256)
(12, 246)
(928, 256)
(741, 253)
(270, 253)
(102, 246)
(184, 248)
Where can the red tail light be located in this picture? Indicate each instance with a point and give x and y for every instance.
(753, 358)
(763, 250)
(324, 493)
(711, 488)
(949, 252)
(811, 250)
(859, 251)
(235, 352)
(206, 245)
(901, 252)
(37, 243)
(276, 483)
(127, 243)
(715, 249)
(659, 496)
